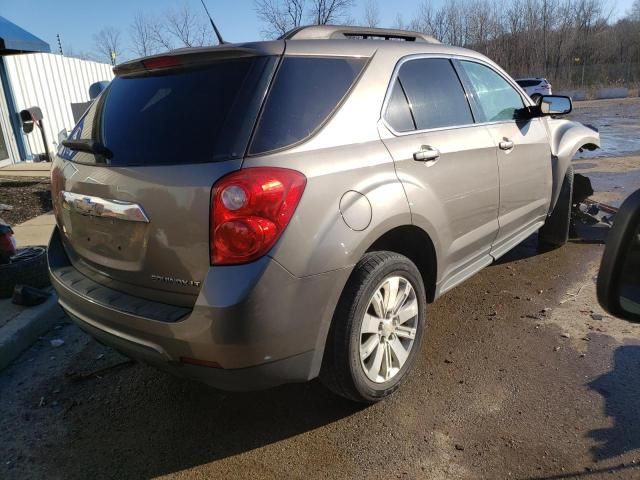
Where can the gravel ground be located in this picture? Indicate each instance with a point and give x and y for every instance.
(29, 198)
(515, 380)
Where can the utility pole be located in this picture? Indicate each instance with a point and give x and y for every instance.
(59, 44)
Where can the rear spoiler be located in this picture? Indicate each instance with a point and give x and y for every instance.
(185, 58)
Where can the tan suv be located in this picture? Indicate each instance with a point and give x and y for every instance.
(256, 214)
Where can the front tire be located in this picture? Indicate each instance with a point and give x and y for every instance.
(555, 232)
(377, 328)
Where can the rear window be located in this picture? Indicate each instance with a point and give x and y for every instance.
(305, 92)
(527, 83)
(186, 116)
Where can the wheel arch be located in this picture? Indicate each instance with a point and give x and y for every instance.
(567, 137)
(415, 244)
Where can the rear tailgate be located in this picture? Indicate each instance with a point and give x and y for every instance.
(134, 212)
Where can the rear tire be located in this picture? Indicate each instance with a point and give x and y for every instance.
(555, 231)
(375, 335)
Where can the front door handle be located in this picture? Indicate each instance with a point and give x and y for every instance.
(426, 154)
(506, 144)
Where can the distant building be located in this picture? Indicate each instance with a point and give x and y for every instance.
(31, 76)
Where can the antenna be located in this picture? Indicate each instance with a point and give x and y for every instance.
(215, 29)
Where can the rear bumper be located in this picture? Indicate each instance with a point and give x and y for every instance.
(262, 325)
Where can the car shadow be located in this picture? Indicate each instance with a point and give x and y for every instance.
(170, 424)
(586, 234)
(620, 389)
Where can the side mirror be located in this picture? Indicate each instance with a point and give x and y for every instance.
(619, 277)
(555, 105)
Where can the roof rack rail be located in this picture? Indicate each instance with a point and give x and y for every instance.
(329, 32)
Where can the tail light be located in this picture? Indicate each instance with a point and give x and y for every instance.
(158, 63)
(250, 209)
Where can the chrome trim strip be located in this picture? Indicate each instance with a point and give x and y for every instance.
(100, 207)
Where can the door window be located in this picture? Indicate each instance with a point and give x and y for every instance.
(434, 93)
(497, 99)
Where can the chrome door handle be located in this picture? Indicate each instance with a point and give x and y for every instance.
(506, 145)
(426, 154)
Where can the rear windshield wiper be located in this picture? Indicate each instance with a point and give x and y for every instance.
(89, 146)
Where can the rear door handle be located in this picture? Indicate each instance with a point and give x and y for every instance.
(426, 154)
(506, 144)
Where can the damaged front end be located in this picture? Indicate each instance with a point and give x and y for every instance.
(567, 138)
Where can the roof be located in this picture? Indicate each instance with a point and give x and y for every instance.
(14, 39)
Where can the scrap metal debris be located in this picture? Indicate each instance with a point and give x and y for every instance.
(587, 212)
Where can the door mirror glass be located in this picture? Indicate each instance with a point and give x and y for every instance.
(619, 277)
(555, 105)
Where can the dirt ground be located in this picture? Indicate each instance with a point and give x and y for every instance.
(29, 198)
(518, 378)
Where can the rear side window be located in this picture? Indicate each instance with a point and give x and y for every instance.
(398, 114)
(305, 92)
(435, 94)
(186, 116)
(498, 100)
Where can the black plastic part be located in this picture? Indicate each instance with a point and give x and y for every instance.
(619, 241)
(27, 267)
(89, 146)
(29, 296)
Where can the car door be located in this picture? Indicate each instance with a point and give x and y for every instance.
(446, 163)
(524, 153)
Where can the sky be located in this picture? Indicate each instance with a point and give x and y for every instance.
(77, 20)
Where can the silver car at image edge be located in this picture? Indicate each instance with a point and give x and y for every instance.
(255, 214)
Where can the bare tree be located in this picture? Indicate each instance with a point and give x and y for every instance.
(280, 16)
(161, 36)
(107, 44)
(372, 13)
(399, 24)
(188, 28)
(141, 32)
(634, 13)
(324, 12)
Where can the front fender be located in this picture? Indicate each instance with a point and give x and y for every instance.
(566, 138)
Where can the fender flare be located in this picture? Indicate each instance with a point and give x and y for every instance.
(567, 137)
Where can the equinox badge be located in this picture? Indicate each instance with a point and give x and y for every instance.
(175, 281)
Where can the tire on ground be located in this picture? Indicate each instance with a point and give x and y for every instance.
(555, 231)
(341, 369)
(31, 271)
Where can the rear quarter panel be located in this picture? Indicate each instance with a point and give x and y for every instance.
(346, 154)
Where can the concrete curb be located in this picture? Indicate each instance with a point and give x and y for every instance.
(20, 333)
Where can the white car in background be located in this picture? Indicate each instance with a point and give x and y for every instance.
(535, 87)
